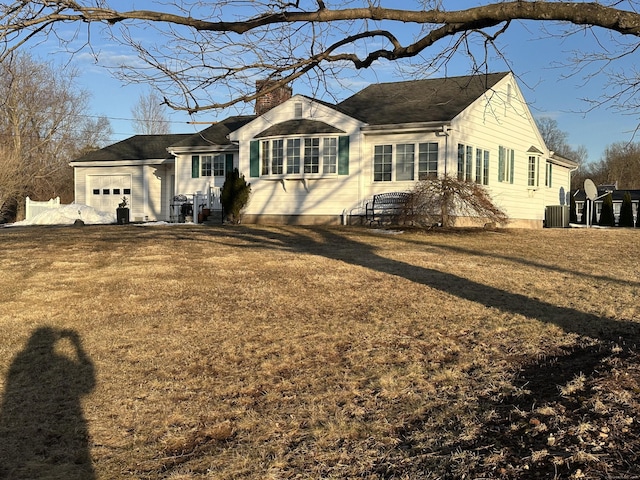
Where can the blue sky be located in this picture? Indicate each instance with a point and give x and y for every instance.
(536, 62)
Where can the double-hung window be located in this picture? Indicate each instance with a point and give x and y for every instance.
(218, 165)
(329, 155)
(277, 157)
(398, 162)
(210, 165)
(465, 162)
(206, 162)
(427, 160)
(532, 172)
(404, 161)
(382, 163)
(265, 156)
(548, 175)
(311, 155)
(470, 171)
(293, 155)
(506, 164)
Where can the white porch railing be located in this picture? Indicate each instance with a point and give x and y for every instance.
(34, 208)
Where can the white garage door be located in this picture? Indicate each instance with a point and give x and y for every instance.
(106, 191)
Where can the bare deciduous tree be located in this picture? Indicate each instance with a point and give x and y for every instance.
(150, 116)
(620, 165)
(205, 55)
(442, 200)
(43, 127)
(557, 140)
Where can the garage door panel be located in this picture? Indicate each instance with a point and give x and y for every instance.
(106, 191)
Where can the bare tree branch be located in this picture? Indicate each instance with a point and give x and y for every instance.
(206, 48)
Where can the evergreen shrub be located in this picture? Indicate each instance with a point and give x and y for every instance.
(234, 196)
(607, 218)
(626, 211)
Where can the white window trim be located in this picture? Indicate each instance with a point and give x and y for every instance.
(394, 161)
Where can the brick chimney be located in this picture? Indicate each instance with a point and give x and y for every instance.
(272, 99)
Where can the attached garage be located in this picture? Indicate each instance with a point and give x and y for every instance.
(139, 168)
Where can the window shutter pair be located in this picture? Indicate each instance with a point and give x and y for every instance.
(343, 157)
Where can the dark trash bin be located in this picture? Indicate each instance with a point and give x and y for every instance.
(122, 216)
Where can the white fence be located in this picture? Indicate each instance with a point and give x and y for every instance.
(34, 208)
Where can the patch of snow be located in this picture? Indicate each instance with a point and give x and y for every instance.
(389, 232)
(68, 214)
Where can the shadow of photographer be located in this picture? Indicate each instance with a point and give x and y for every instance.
(43, 433)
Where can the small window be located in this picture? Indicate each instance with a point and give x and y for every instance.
(96, 191)
(206, 165)
(298, 110)
(218, 166)
(532, 179)
(105, 191)
(382, 163)
(405, 161)
(127, 191)
(427, 161)
(116, 191)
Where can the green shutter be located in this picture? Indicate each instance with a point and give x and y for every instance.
(228, 163)
(343, 155)
(254, 159)
(501, 164)
(195, 166)
(513, 162)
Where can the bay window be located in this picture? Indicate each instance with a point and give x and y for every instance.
(299, 156)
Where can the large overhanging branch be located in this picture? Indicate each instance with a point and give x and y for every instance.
(24, 20)
(579, 13)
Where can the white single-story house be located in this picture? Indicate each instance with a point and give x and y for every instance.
(311, 162)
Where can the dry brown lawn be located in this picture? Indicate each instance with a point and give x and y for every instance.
(287, 352)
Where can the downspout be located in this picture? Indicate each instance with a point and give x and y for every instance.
(445, 133)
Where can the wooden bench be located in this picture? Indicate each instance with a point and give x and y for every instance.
(389, 207)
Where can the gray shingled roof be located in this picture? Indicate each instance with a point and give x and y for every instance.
(431, 100)
(217, 133)
(138, 147)
(297, 127)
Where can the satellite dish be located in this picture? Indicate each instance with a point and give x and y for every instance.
(590, 189)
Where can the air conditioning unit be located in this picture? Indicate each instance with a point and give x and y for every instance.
(556, 216)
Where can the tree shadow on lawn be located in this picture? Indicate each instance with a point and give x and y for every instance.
(522, 261)
(43, 433)
(541, 431)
